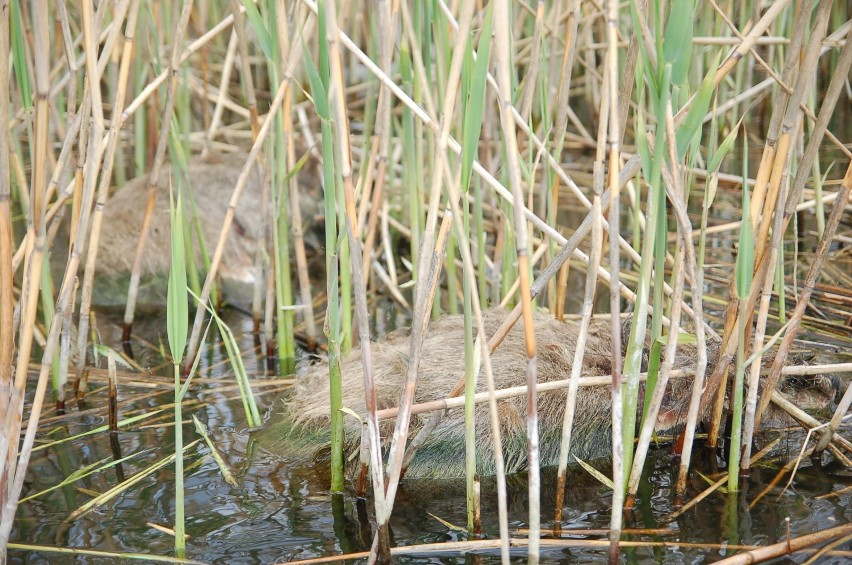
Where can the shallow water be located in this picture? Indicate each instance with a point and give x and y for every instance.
(282, 511)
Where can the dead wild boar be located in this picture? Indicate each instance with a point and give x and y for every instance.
(298, 427)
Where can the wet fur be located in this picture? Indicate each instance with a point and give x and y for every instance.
(298, 427)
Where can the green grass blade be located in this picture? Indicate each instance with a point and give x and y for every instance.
(695, 117)
(677, 42)
(745, 254)
(257, 23)
(475, 105)
(723, 149)
(177, 312)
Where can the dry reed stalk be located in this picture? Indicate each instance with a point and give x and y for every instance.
(64, 353)
(489, 179)
(103, 189)
(827, 198)
(248, 84)
(786, 547)
(444, 140)
(840, 412)
(695, 273)
(677, 196)
(510, 295)
(159, 156)
(468, 272)
(93, 73)
(387, 245)
(343, 160)
(76, 121)
(718, 380)
(219, 102)
(473, 546)
(237, 11)
(759, 336)
(296, 223)
(416, 442)
(157, 81)
(595, 256)
(568, 248)
(804, 78)
(534, 60)
(832, 93)
(452, 402)
(547, 229)
(7, 298)
(716, 485)
(264, 287)
(380, 143)
(275, 105)
(428, 262)
(501, 58)
(774, 78)
(839, 444)
(615, 132)
(55, 211)
(740, 51)
(773, 168)
(12, 465)
(805, 294)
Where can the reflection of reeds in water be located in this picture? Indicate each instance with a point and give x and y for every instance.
(491, 122)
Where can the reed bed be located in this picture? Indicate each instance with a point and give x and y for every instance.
(469, 154)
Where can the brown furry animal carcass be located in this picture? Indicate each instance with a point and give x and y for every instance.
(298, 429)
(301, 429)
(211, 182)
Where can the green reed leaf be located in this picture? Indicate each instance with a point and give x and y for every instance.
(177, 311)
(691, 126)
(677, 42)
(475, 104)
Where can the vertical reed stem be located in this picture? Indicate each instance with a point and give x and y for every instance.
(614, 137)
